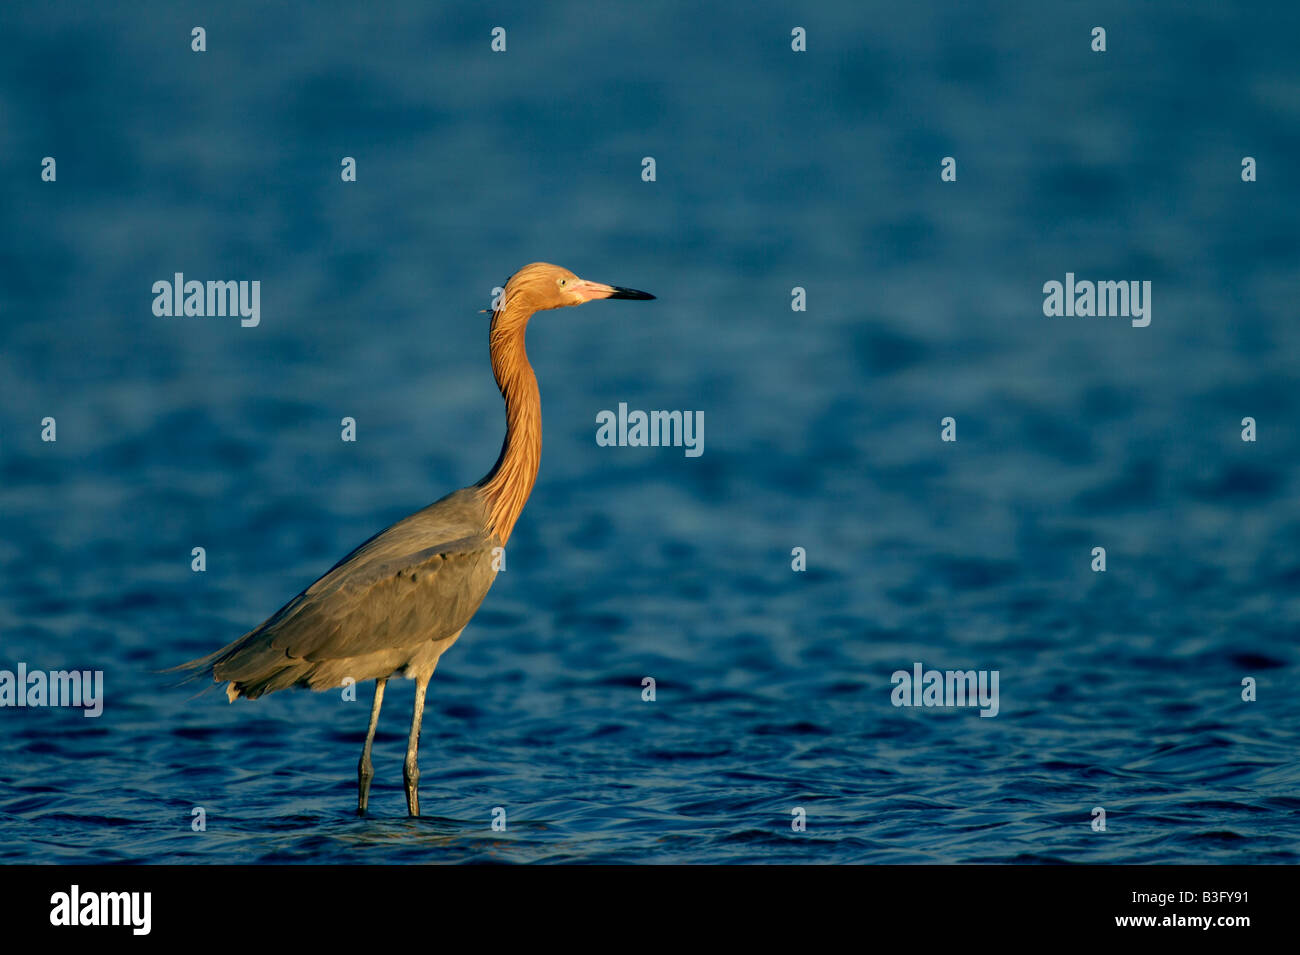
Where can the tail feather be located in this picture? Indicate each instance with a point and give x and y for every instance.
(205, 665)
(251, 667)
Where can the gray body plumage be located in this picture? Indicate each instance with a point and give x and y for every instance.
(394, 604)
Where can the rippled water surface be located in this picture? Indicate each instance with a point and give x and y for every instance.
(774, 170)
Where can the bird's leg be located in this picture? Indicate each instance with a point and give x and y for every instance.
(411, 771)
(366, 772)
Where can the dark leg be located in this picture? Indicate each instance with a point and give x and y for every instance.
(411, 769)
(366, 772)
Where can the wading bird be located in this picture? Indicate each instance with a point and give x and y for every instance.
(400, 600)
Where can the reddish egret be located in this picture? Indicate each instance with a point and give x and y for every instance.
(396, 603)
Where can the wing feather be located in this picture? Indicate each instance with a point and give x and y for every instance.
(386, 602)
(421, 579)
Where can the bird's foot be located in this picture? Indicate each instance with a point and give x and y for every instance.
(364, 775)
(413, 794)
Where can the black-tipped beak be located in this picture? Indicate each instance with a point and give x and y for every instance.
(593, 291)
(630, 293)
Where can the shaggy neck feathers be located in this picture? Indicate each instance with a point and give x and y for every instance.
(507, 486)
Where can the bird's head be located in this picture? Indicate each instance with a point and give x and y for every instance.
(542, 285)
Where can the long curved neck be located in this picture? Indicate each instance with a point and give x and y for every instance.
(507, 486)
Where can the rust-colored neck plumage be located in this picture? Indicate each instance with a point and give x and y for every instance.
(507, 486)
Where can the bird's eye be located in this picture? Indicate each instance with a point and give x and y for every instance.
(563, 282)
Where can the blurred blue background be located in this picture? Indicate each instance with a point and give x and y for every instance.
(775, 170)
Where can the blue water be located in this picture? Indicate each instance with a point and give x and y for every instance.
(774, 170)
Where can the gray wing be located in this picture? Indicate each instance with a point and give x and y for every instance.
(421, 579)
(386, 598)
